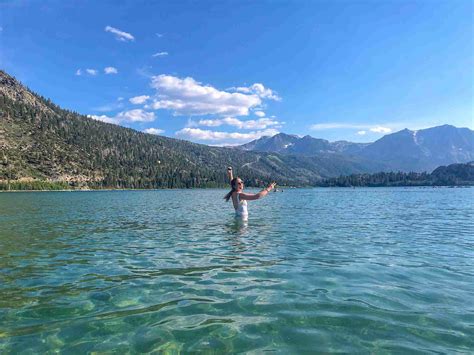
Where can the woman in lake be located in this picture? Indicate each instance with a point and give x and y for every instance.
(239, 198)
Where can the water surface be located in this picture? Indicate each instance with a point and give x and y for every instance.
(313, 270)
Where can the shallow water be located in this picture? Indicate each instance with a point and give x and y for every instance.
(313, 270)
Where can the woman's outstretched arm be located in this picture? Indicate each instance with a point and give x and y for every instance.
(230, 174)
(258, 195)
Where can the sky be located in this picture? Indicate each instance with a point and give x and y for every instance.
(228, 72)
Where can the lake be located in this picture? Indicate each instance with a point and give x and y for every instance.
(313, 270)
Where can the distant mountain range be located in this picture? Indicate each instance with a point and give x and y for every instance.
(406, 150)
(307, 146)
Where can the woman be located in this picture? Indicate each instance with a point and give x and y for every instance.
(239, 198)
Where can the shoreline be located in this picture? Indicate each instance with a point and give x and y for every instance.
(250, 187)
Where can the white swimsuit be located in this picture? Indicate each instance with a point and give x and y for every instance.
(241, 210)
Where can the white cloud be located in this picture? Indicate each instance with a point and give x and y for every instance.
(189, 97)
(120, 35)
(380, 129)
(261, 123)
(159, 35)
(207, 123)
(78, 72)
(259, 113)
(137, 100)
(361, 133)
(243, 89)
(360, 127)
(222, 137)
(160, 54)
(266, 93)
(110, 70)
(153, 130)
(92, 72)
(259, 90)
(120, 98)
(136, 115)
(104, 118)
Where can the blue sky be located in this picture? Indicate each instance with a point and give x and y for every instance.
(218, 72)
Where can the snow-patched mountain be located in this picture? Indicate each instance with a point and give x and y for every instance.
(423, 150)
(276, 144)
(406, 150)
(307, 145)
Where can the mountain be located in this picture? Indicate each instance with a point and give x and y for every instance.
(307, 145)
(406, 150)
(423, 150)
(40, 140)
(277, 144)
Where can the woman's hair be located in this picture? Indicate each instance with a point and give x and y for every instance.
(233, 184)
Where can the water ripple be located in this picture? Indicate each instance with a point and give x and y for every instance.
(332, 270)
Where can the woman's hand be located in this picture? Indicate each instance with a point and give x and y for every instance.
(271, 186)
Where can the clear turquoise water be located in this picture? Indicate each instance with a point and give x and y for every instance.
(377, 270)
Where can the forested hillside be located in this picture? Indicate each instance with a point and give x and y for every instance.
(451, 175)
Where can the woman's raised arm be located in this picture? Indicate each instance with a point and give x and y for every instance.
(230, 175)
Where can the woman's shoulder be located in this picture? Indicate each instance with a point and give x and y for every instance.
(236, 194)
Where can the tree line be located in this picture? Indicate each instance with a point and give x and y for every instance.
(451, 175)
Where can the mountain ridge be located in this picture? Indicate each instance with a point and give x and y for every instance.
(405, 150)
